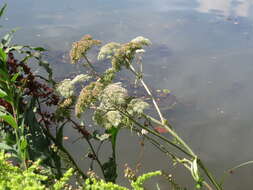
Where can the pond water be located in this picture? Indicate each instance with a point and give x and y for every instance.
(202, 52)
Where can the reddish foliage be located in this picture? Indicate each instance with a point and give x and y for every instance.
(160, 129)
(31, 86)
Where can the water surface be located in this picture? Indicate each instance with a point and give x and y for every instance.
(202, 52)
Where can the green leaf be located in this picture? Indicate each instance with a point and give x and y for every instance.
(39, 143)
(2, 93)
(48, 69)
(2, 10)
(194, 170)
(14, 77)
(59, 135)
(15, 48)
(2, 109)
(3, 56)
(4, 146)
(110, 170)
(4, 75)
(7, 38)
(9, 119)
(23, 144)
(113, 135)
(39, 49)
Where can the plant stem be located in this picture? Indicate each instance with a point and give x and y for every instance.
(96, 157)
(149, 92)
(157, 144)
(61, 147)
(209, 175)
(93, 70)
(90, 145)
(173, 133)
(156, 134)
(167, 126)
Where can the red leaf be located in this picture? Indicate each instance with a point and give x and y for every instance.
(160, 129)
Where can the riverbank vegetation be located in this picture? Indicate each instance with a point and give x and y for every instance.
(35, 109)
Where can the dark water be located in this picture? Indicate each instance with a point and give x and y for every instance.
(202, 52)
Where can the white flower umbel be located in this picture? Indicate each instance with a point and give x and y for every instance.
(108, 50)
(113, 95)
(114, 118)
(66, 87)
(140, 51)
(141, 40)
(137, 106)
(80, 78)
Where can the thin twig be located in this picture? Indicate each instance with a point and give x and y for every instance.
(90, 145)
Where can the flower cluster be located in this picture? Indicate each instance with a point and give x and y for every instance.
(108, 50)
(67, 86)
(122, 54)
(81, 47)
(138, 184)
(34, 177)
(88, 95)
(114, 97)
(108, 76)
(136, 107)
(142, 41)
(113, 118)
(113, 101)
(95, 184)
(66, 103)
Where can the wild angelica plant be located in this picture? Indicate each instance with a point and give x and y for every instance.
(114, 109)
(25, 126)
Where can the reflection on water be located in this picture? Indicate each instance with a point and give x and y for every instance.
(226, 7)
(204, 59)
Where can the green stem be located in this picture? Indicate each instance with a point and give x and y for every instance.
(157, 134)
(209, 175)
(167, 126)
(96, 156)
(62, 148)
(158, 145)
(173, 133)
(113, 142)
